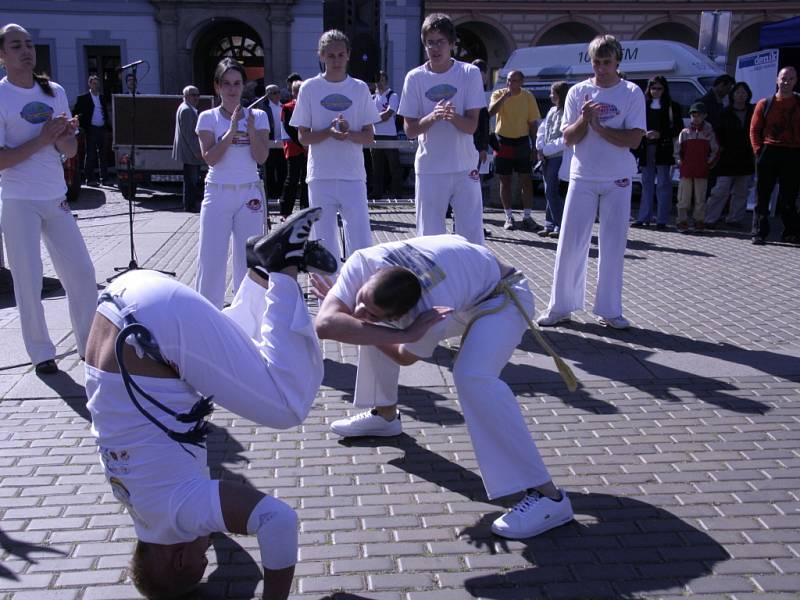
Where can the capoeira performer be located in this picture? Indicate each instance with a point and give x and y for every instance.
(604, 118)
(233, 140)
(158, 353)
(334, 115)
(36, 130)
(440, 105)
(390, 299)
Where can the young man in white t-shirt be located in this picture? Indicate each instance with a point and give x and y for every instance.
(440, 104)
(604, 118)
(334, 117)
(387, 102)
(157, 353)
(397, 301)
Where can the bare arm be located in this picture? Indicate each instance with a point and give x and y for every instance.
(50, 133)
(308, 137)
(625, 138)
(259, 138)
(497, 103)
(386, 115)
(237, 501)
(466, 123)
(363, 137)
(399, 354)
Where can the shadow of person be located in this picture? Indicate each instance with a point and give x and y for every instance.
(236, 575)
(88, 199)
(427, 465)
(224, 451)
(616, 548)
(21, 550)
(422, 405)
(344, 596)
(71, 392)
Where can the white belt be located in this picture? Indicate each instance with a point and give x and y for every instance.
(233, 186)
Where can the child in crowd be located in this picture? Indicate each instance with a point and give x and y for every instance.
(695, 152)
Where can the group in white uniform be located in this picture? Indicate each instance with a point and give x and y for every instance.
(233, 202)
(440, 103)
(36, 128)
(334, 116)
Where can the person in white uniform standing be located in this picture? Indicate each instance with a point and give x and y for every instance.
(157, 353)
(604, 118)
(334, 116)
(36, 130)
(440, 105)
(397, 300)
(233, 140)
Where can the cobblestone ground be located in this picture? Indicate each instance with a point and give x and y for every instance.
(679, 451)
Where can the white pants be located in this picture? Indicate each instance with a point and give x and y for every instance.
(569, 278)
(735, 186)
(259, 358)
(226, 209)
(506, 453)
(348, 198)
(435, 192)
(25, 223)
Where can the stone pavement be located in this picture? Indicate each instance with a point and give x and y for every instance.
(680, 450)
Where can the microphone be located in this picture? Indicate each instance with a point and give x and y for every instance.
(128, 66)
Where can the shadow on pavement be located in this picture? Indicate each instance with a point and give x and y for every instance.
(88, 199)
(624, 548)
(72, 393)
(344, 596)
(237, 575)
(224, 449)
(422, 405)
(21, 550)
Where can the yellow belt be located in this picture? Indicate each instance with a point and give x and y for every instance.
(504, 288)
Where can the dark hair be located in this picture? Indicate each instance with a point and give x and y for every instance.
(228, 64)
(725, 78)
(741, 85)
(666, 99)
(441, 23)
(42, 80)
(292, 78)
(396, 290)
(560, 89)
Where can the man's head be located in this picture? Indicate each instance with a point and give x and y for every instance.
(605, 52)
(787, 80)
(438, 38)
(162, 571)
(514, 81)
(334, 52)
(291, 79)
(273, 93)
(387, 295)
(130, 81)
(296, 85)
(94, 83)
(191, 95)
(722, 85)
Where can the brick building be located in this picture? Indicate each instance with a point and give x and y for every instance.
(493, 29)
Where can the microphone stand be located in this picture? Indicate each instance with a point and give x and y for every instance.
(131, 185)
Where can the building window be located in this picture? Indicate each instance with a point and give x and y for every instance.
(236, 46)
(104, 61)
(43, 60)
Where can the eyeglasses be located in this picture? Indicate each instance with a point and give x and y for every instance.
(435, 43)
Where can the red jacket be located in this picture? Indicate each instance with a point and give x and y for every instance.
(696, 150)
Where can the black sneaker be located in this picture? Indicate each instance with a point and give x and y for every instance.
(285, 245)
(47, 367)
(759, 241)
(317, 259)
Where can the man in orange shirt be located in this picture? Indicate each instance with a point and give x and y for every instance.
(775, 137)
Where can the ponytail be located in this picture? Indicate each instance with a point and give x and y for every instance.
(43, 81)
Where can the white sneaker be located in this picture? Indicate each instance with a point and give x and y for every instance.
(619, 322)
(509, 225)
(532, 515)
(367, 423)
(548, 319)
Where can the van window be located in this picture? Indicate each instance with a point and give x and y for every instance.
(684, 93)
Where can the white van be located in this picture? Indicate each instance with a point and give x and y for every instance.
(690, 74)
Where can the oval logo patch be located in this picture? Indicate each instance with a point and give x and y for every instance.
(36, 112)
(607, 111)
(443, 91)
(336, 102)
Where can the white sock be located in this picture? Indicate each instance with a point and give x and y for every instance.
(527, 212)
(509, 214)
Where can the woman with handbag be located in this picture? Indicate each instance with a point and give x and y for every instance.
(655, 155)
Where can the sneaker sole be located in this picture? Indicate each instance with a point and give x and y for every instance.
(344, 434)
(545, 527)
(611, 326)
(554, 323)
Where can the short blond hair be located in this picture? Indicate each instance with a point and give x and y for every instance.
(605, 45)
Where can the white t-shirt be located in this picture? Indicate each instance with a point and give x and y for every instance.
(443, 148)
(320, 102)
(276, 109)
(167, 505)
(23, 111)
(453, 273)
(622, 107)
(389, 99)
(237, 165)
(97, 112)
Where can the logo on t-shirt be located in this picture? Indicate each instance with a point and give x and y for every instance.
(443, 91)
(474, 175)
(336, 102)
(240, 138)
(36, 112)
(606, 111)
(123, 495)
(254, 204)
(427, 271)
